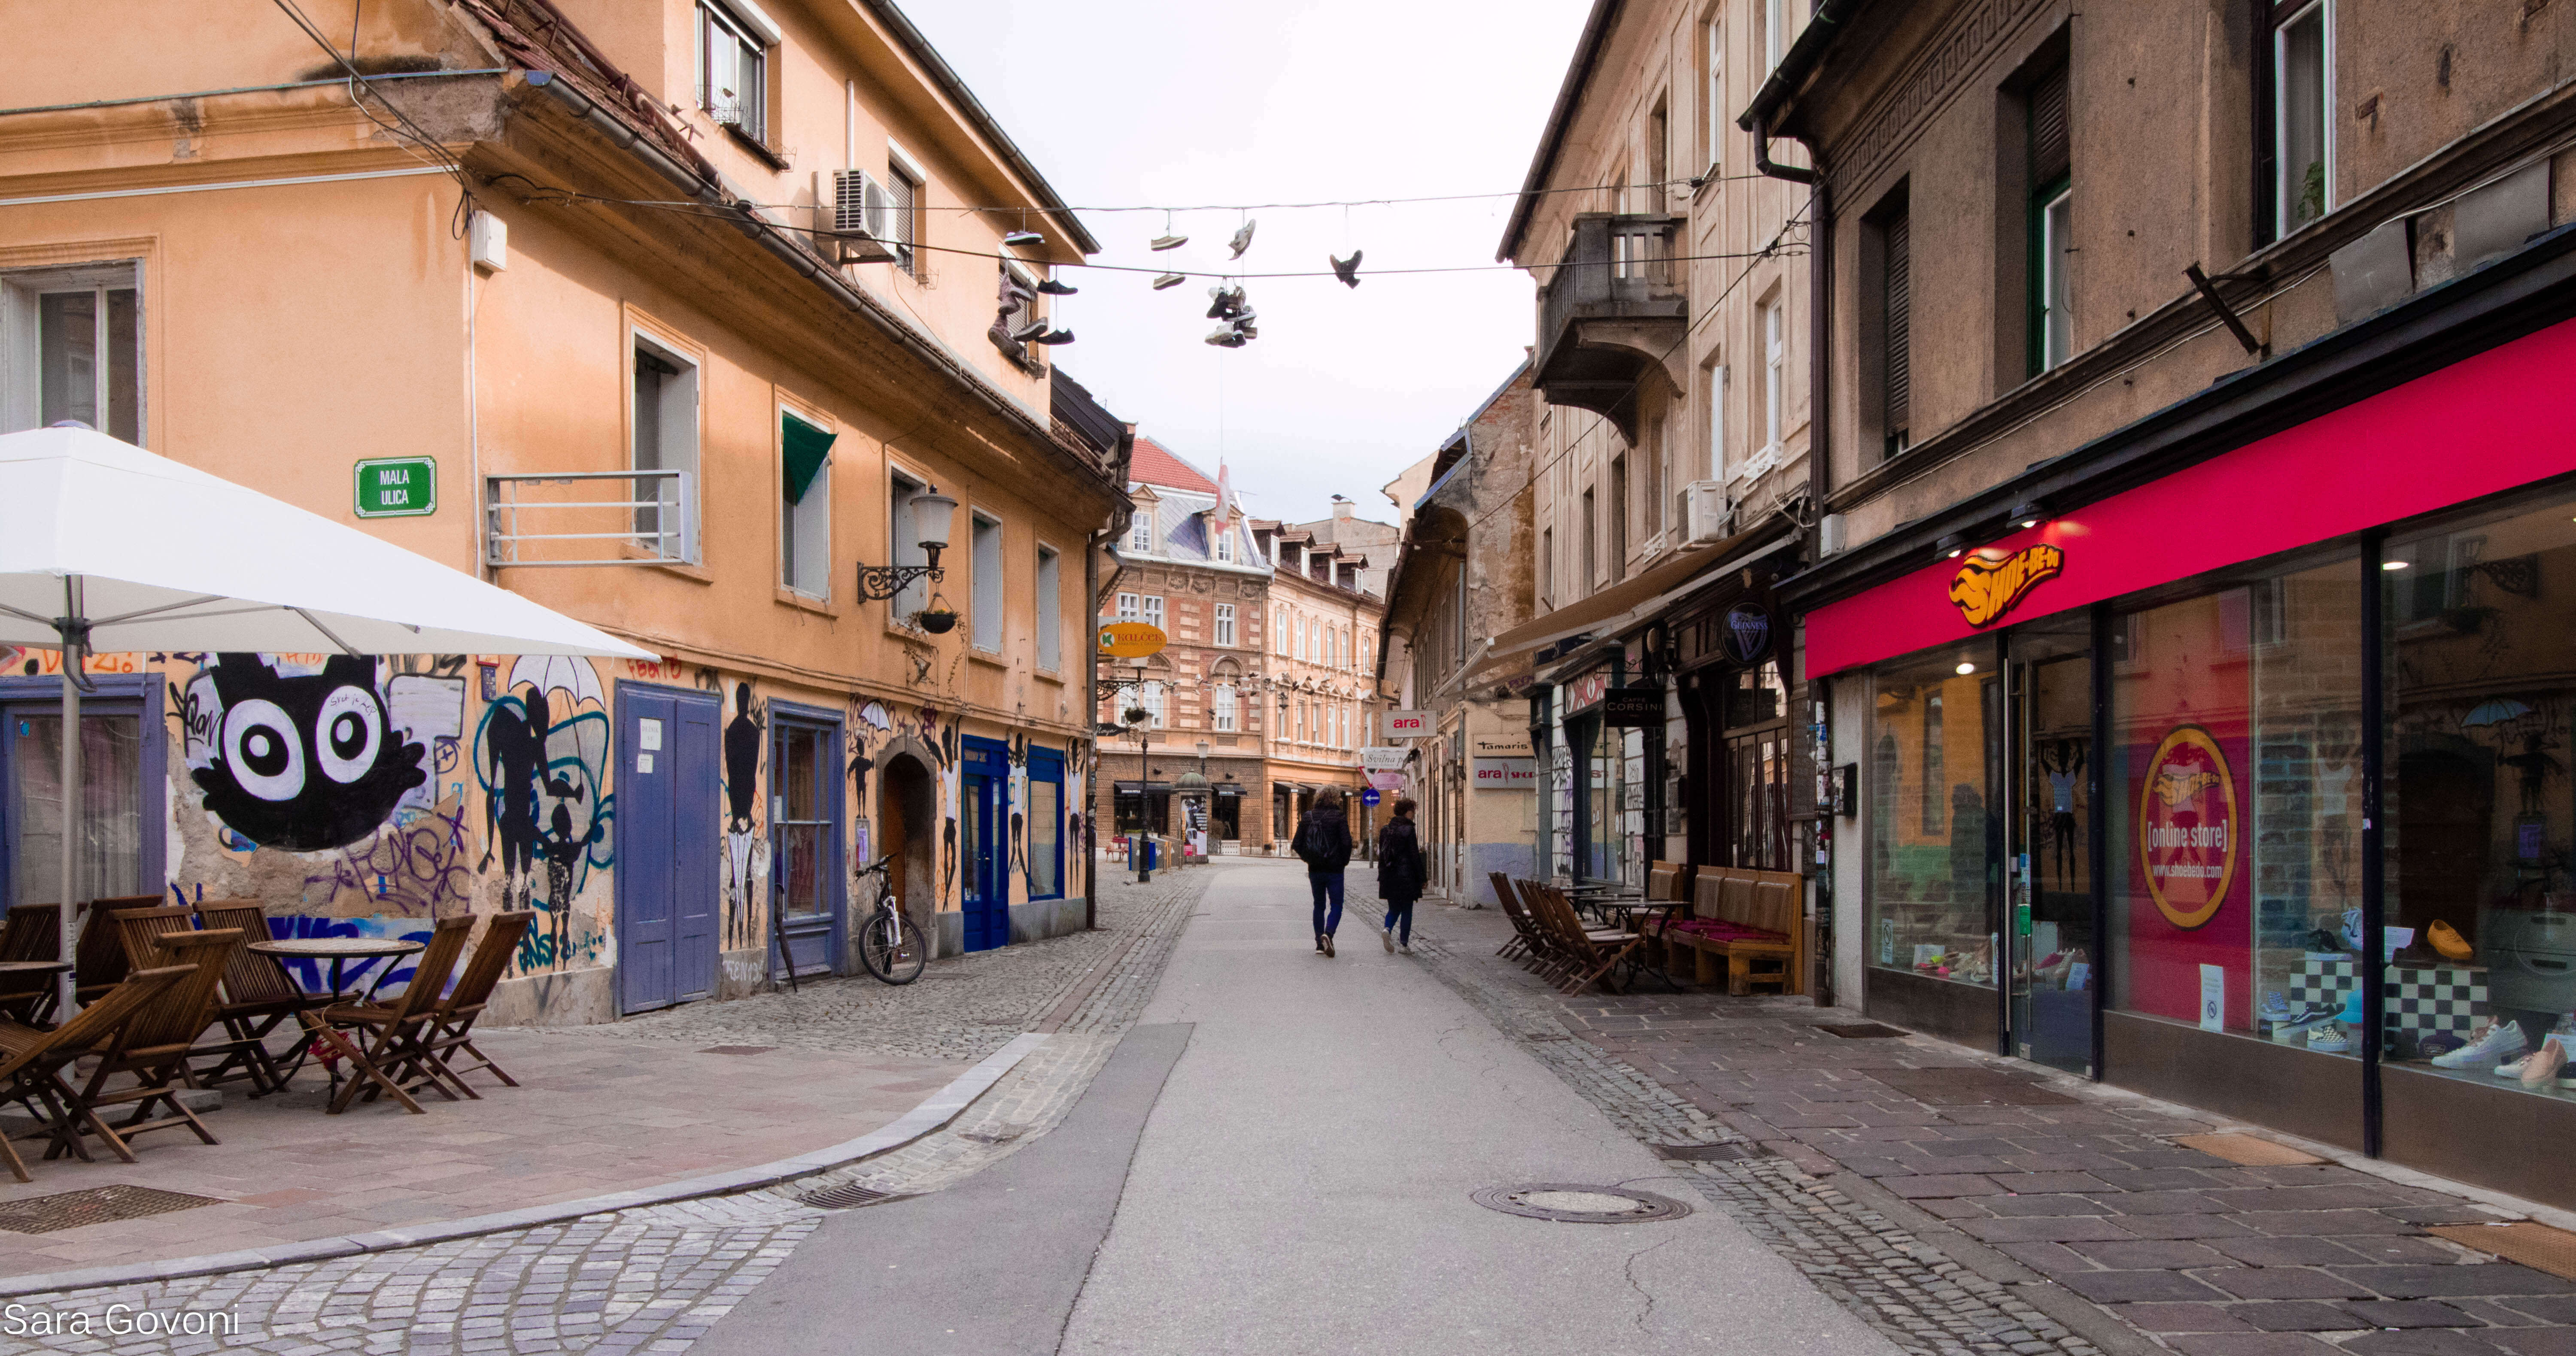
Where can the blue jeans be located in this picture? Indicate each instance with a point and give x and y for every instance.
(1400, 910)
(1326, 887)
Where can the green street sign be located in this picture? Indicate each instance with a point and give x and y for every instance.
(397, 487)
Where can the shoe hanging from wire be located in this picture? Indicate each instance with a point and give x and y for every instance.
(1348, 270)
(1166, 281)
(1242, 238)
(1168, 240)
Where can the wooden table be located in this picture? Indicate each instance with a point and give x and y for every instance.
(1632, 908)
(339, 951)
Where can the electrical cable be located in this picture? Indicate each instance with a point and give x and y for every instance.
(963, 209)
(413, 137)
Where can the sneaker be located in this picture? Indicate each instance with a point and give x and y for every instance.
(1387, 936)
(2352, 930)
(1328, 944)
(1405, 947)
(1319, 943)
(2276, 1009)
(2542, 1067)
(2497, 1040)
(2328, 1040)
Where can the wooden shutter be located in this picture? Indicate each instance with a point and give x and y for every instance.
(1900, 323)
(2048, 150)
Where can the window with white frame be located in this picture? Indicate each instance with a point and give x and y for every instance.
(1140, 531)
(1050, 594)
(1154, 610)
(988, 582)
(1712, 57)
(1225, 624)
(1713, 413)
(1128, 608)
(1222, 534)
(733, 66)
(2056, 314)
(906, 537)
(2302, 115)
(1775, 32)
(1279, 631)
(73, 340)
(903, 184)
(1154, 705)
(1221, 707)
(1775, 374)
(805, 507)
(663, 438)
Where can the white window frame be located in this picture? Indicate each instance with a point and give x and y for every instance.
(1221, 707)
(1775, 375)
(1714, 377)
(904, 539)
(1153, 615)
(1128, 608)
(1224, 626)
(1775, 33)
(2056, 293)
(904, 177)
(744, 22)
(1050, 598)
(680, 407)
(22, 380)
(1140, 531)
(1713, 87)
(2283, 194)
(986, 537)
(1154, 705)
(811, 515)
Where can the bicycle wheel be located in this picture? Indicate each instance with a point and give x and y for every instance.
(890, 947)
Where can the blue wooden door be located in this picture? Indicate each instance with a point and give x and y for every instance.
(981, 851)
(668, 816)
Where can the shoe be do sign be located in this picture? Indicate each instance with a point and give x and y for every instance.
(1130, 640)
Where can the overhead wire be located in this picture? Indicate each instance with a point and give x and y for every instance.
(411, 135)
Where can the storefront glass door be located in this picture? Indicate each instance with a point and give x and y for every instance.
(2049, 925)
(805, 847)
(1935, 842)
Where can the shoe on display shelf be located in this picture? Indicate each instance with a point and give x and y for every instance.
(2494, 1041)
(2435, 1045)
(2448, 942)
(2542, 1067)
(2351, 935)
(2275, 1008)
(2328, 1040)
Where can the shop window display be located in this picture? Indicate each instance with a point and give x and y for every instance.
(2235, 886)
(1935, 832)
(2481, 902)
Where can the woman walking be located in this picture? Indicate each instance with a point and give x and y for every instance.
(1323, 842)
(1400, 874)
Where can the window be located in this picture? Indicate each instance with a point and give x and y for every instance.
(988, 582)
(1546, 568)
(1140, 531)
(2052, 330)
(1659, 470)
(903, 210)
(1046, 824)
(1618, 517)
(1775, 375)
(1714, 381)
(75, 340)
(1221, 534)
(805, 513)
(733, 71)
(1128, 608)
(1887, 335)
(2302, 125)
(1154, 705)
(907, 547)
(1591, 541)
(1050, 609)
(1221, 707)
(665, 439)
(1775, 32)
(1279, 632)
(1712, 60)
(1659, 170)
(1154, 611)
(1225, 624)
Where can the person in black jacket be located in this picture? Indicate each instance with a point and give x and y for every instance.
(1323, 842)
(1400, 875)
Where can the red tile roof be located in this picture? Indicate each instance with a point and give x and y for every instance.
(1156, 465)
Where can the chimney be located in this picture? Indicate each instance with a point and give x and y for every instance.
(1341, 507)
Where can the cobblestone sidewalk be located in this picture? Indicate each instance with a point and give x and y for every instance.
(2019, 1213)
(651, 1279)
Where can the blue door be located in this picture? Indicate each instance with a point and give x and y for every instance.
(981, 844)
(669, 813)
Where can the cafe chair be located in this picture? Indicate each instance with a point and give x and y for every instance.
(33, 1062)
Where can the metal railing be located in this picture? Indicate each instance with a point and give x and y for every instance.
(657, 520)
(1616, 264)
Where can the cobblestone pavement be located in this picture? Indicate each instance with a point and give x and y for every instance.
(651, 1279)
(2003, 1210)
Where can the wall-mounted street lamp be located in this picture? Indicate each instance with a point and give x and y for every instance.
(932, 513)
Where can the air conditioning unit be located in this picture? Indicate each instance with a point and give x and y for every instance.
(853, 217)
(1705, 511)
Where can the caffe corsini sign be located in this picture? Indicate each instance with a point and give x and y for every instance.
(2190, 828)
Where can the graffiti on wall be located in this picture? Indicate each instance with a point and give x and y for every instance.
(541, 758)
(296, 760)
(746, 847)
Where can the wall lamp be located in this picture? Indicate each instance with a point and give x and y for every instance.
(2030, 514)
(1952, 546)
(932, 514)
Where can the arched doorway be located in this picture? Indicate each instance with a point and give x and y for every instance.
(908, 831)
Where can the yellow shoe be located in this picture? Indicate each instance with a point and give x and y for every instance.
(2447, 940)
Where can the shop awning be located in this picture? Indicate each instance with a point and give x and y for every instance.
(1631, 601)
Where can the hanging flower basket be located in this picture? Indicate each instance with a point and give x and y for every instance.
(937, 621)
(1136, 715)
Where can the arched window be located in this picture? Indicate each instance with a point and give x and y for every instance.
(1154, 705)
(1221, 707)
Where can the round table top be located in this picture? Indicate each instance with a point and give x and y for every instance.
(335, 948)
(34, 967)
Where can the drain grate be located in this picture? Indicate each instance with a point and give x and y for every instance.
(1568, 1203)
(737, 1049)
(96, 1205)
(1860, 1031)
(1710, 1153)
(848, 1196)
(2536, 1246)
(2249, 1150)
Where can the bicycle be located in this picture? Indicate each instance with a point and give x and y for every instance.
(890, 946)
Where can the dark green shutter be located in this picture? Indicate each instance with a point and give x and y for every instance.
(808, 448)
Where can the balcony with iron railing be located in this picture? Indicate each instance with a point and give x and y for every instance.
(1616, 305)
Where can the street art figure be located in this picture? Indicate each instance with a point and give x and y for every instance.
(742, 741)
(300, 762)
(543, 755)
(514, 747)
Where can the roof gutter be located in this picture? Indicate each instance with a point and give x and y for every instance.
(1587, 54)
(770, 237)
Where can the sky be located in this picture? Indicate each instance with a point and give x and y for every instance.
(1156, 102)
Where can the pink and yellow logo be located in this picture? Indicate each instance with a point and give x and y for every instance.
(2188, 827)
(1990, 584)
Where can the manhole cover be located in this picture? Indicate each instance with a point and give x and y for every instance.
(1860, 1031)
(737, 1049)
(97, 1205)
(1710, 1153)
(1569, 1203)
(847, 1196)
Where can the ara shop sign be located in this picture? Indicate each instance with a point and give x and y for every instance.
(1402, 724)
(397, 487)
(1506, 774)
(2189, 830)
(1632, 707)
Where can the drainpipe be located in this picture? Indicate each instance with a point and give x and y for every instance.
(1091, 723)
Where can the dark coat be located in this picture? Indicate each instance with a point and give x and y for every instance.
(1400, 868)
(1323, 841)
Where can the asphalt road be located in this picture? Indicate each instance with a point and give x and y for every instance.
(1278, 1159)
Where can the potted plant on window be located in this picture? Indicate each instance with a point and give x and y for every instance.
(939, 618)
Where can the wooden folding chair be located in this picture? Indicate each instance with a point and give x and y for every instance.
(391, 1031)
(1593, 951)
(99, 957)
(450, 1027)
(1546, 955)
(1512, 908)
(32, 1062)
(32, 933)
(258, 996)
(155, 1046)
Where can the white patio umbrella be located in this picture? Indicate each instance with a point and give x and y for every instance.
(106, 548)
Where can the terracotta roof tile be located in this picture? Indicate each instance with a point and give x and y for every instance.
(1155, 464)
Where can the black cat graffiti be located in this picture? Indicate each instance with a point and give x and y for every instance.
(303, 762)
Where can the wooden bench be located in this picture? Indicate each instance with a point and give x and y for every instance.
(1751, 921)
